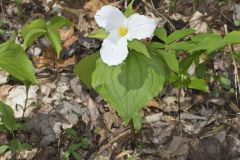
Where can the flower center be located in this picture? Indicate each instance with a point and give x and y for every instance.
(122, 31)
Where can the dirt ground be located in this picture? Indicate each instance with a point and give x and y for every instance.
(209, 124)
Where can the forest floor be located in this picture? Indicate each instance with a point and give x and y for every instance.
(209, 124)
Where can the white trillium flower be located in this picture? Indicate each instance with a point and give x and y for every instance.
(121, 29)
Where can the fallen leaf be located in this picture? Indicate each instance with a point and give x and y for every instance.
(197, 22)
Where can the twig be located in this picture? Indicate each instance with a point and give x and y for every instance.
(236, 77)
(157, 13)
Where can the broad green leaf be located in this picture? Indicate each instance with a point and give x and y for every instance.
(232, 37)
(36, 24)
(170, 59)
(32, 36)
(8, 118)
(99, 34)
(129, 10)
(139, 46)
(210, 44)
(199, 84)
(137, 121)
(129, 86)
(185, 46)
(3, 148)
(161, 33)
(55, 39)
(85, 68)
(14, 60)
(179, 34)
(57, 22)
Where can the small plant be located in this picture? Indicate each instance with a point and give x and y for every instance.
(40, 27)
(76, 142)
(9, 125)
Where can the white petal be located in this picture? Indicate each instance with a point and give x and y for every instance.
(140, 27)
(109, 17)
(112, 52)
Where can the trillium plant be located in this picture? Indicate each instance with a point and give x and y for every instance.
(124, 73)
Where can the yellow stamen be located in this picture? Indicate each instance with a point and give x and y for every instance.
(122, 31)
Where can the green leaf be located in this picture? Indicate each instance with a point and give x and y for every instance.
(199, 84)
(14, 145)
(85, 68)
(57, 22)
(129, 10)
(14, 60)
(73, 147)
(84, 142)
(55, 39)
(32, 36)
(99, 34)
(232, 37)
(36, 24)
(210, 44)
(26, 146)
(3, 148)
(178, 34)
(137, 121)
(129, 86)
(198, 38)
(186, 63)
(71, 132)
(76, 155)
(8, 118)
(226, 83)
(155, 46)
(170, 59)
(161, 33)
(201, 70)
(185, 46)
(139, 46)
(67, 154)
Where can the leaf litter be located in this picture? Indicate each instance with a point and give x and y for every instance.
(208, 128)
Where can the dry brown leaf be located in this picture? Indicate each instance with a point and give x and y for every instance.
(93, 110)
(91, 6)
(66, 33)
(197, 23)
(178, 147)
(70, 41)
(153, 103)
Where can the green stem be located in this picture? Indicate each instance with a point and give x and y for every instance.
(26, 100)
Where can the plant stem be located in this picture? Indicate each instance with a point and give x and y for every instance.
(26, 100)
(179, 103)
